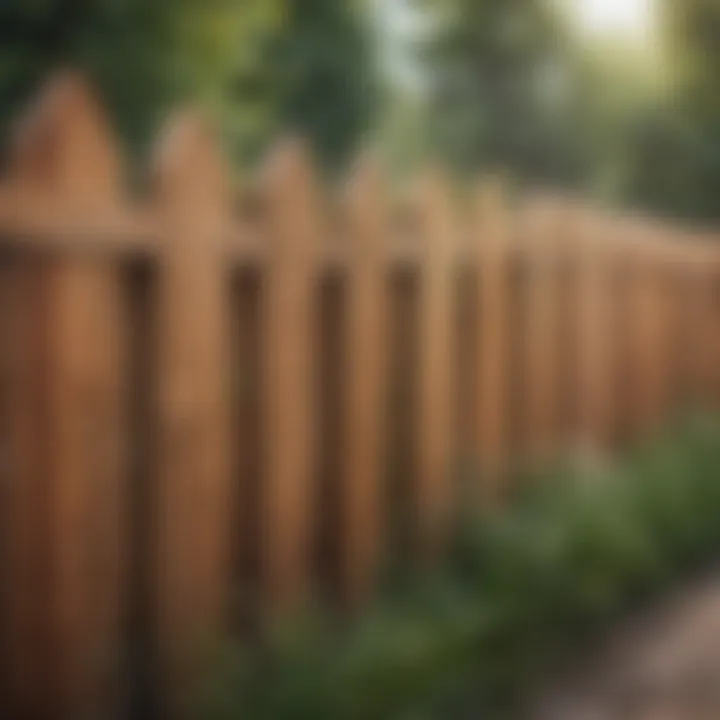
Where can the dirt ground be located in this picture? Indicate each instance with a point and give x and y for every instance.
(664, 666)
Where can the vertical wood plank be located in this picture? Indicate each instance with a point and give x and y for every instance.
(542, 223)
(27, 608)
(594, 351)
(436, 343)
(366, 345)
(698, 318)
(648, 310)
(193, 201)
(71, 398)
(713, 342)
(491, 255)
(288, 396)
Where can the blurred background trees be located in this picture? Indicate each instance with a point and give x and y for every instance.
(258, 65)
(501, 87)
(509, 85)
(675, 143)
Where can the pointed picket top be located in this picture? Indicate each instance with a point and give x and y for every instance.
(365, 181)
(292, 195)
(491, 214)
(431, 185)
(573, 228)
(63, 148)
(289, 163)
(434, 203)
(191, 179)
(365, 203)
(587, 223)
(490, 194)
(540, 221)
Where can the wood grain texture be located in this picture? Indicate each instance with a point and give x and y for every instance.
(541, 225)
(648, 310)
(364, 422)
(434, 486)
(194, 485)
(288, 413)
(594, 332)
(67, 422)
(492, 234)
(27, 608)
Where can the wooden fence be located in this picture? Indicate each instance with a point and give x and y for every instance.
(213, 410)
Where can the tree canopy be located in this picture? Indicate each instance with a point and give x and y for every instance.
(259, 65)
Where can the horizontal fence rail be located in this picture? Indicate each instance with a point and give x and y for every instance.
(215, 410)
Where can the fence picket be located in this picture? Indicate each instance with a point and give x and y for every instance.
(492, 257)
(69, 397)
(594, 336)
(194, 491)
(434, 443)
(540, 254)
(366, 346)
(288, 413)
(647, 316)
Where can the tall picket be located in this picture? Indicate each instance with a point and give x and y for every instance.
(66, 424)
(491, 237)
(540, 255)
(364, 380)
(594, 351)
(697, 315)
(647, 311)
(288, 414)
(194, 491)
(434, 446)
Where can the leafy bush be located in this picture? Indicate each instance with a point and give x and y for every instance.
(518, 589)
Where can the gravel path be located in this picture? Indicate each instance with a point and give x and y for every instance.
(665, 666)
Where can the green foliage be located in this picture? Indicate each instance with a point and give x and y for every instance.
(519, 590)
(502, 79)
(260, 66)
(674, 146)
(145, 55)
(324, 75)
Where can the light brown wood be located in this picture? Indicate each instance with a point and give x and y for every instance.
(435, 471)
(493, 238)
(698, 319)
(365, 354)
(288, 413)
(594, 348)
(69, 398)
(194, 493)
(648, 315)
(541, 225)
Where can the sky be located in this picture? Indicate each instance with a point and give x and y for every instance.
(633, 19)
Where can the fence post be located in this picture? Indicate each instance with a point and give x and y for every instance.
(288, 411)
(66, 425)
(194, 491)
(434, 444)
(491, 240)
(364, 378)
